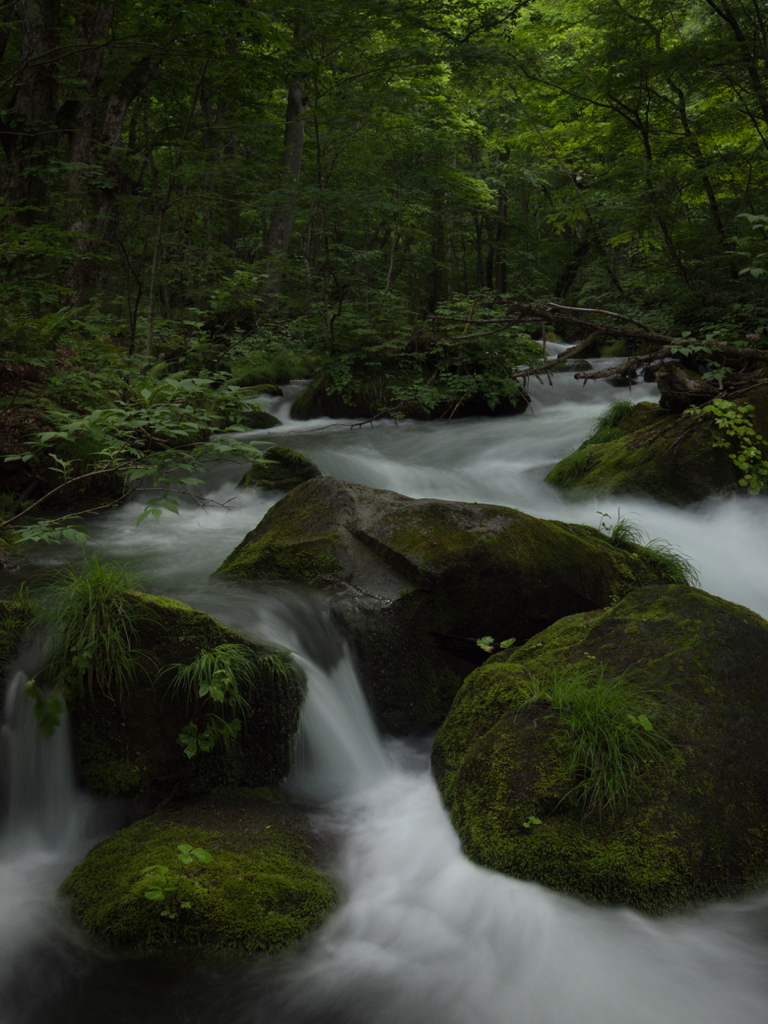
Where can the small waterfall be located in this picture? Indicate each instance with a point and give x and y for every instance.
(339, 751)
(42, 804)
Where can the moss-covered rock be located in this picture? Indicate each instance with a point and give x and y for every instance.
(257, 386)
(257, 419)
(260, 891)
(128, 745)
(651, 452)
(696, 824)
(415, 582)
(283, 470)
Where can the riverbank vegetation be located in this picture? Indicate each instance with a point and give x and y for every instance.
(204, 197)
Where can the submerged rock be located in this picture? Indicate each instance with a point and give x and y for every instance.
(694, 824)
(284, 469)
(127, 744)
(260, 890)
(414, 583)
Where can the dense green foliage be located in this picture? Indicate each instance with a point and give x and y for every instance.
(342, 190)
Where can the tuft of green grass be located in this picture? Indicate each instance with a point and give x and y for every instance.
(625, 532)
(605, 427)
(671, 563)
(613, 743)
(92, 629)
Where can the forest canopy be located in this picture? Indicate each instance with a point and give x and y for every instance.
(356, 158)
(259, 191)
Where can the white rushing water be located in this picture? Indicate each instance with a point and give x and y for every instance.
(422, 935)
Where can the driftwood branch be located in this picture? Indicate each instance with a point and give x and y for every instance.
(546, 367)
(667, 344)
(605, 312)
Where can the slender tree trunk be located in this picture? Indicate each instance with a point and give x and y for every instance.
(28, 130)
(93, 28)
(160, 215)
(282, 218)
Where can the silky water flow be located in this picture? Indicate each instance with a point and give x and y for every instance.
(421, 935)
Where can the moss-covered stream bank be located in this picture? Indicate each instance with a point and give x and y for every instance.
(421, 935)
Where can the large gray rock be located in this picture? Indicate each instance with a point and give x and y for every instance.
(414, 583)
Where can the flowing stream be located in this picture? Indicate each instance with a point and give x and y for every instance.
(421, 936)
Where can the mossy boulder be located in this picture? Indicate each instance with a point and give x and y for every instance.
(415, 582)
(695, 826)
(256, 418)
(653, 453)
(257, 386)
(283, 470)
(127, 745)
(260, 891)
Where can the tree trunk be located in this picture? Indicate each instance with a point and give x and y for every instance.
(282, 218)
(92, 29)
(28, 130)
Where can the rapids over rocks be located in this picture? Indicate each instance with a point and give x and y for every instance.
(421, 936)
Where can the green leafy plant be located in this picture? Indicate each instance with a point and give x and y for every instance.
(224, 676)
(153, 434)
(159, 879)
(488, 644)
(735, 422)
(49, 707)
(613, 741)
(531, 820)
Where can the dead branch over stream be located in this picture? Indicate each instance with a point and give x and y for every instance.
(572, 317)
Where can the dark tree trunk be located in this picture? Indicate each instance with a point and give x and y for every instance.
(28, 129)
(282, 218)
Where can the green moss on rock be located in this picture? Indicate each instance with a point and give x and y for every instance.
(261, 890)
(257, 419)
(414, 582)
(651, 452)
(128, 746)
(283, 470)
(697, 828)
